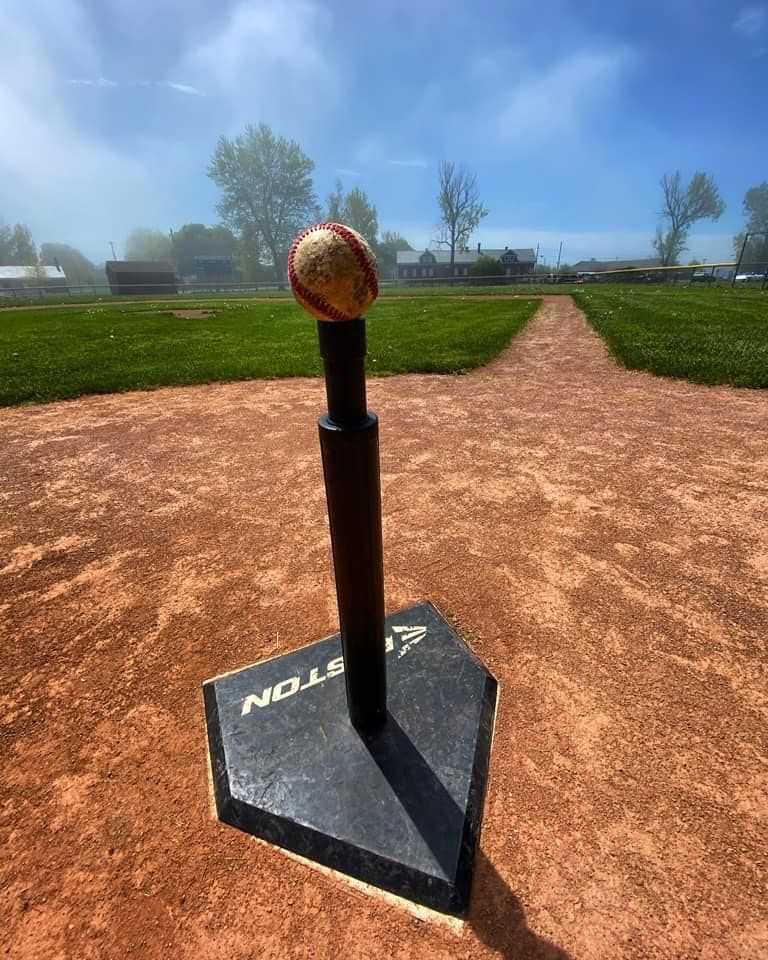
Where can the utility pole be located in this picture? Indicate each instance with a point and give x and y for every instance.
(114, 255)
(559, 254)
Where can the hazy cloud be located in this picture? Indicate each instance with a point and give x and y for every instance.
(269, 59)
(52, 169)
(422, 164)
(180, 87)
(100, 82)
(547, 103)
(750, 21)
(170, 84)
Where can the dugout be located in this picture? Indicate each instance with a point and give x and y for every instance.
(128, 277)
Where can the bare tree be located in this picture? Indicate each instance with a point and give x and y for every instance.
(460, 206)
(682, 207)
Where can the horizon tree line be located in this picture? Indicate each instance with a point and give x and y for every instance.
(268, 196)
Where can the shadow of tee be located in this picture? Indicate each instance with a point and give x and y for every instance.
(429, 805)
(498, 919)
(495, 915)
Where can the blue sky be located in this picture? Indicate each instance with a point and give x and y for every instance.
(568, 113)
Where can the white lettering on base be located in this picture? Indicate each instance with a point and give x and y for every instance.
(285, 688)
(253, 700)
(407, 638)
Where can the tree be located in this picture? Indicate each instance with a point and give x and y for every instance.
(77, 267)
(355, 210)
(196, 240)
(144, 244)
(755, 256)
(682, 207)
(486, 267)
(16, 246)
(386, 251)
(756, 208)
(336, 203)
(460, 207)
(37, 272)
(267, 190)
(361, 215)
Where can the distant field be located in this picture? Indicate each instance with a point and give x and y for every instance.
(182, 300)
(58, 353)
(705, 335)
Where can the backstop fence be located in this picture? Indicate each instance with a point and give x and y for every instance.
(751, 269)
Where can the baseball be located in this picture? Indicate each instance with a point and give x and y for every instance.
(333, 272)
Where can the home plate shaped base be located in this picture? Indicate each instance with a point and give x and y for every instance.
(399, 808)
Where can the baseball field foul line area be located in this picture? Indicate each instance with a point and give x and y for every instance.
(596, 535)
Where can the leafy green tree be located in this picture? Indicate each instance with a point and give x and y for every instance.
(144, 244)
(16, 246)
(460, 207)
(267, 189)
(336, 203)
(755, 256)
(196, 240)
(386, 251)
(355, 210)
(756, 207)
(682, 207)
(77, 267)
(249, 262)
(486, 267)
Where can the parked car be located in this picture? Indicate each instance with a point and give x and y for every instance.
(702, 276)
(749, 278)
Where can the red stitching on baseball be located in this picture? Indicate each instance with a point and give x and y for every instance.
(358, 250)
(313, 299)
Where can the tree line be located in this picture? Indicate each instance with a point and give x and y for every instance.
(267, 196)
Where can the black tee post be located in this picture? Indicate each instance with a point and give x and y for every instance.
(349, 442)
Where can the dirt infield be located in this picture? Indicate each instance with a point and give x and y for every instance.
(600, 537)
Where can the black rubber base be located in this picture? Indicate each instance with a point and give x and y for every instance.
(400, 808)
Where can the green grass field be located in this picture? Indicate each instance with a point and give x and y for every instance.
(180, 300)
(58, 353)
(705, 335)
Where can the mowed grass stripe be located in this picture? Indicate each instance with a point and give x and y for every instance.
(55, 354)
(713, 336)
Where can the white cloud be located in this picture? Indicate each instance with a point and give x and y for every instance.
(103, 83)
(66, 183)
(99, 82)
(180, 87)
(269, 61)
(544, 105)
(420, 164)
(750, 21)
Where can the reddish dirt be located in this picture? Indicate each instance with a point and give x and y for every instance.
(600, 537)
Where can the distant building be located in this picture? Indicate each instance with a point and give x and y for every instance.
(127, 277)
(599, 266)
(215, 269)
(30, 280)
(412, 265)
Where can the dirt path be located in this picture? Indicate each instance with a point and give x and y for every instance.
(599, 535)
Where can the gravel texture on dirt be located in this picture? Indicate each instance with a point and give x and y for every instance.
(600, 537)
